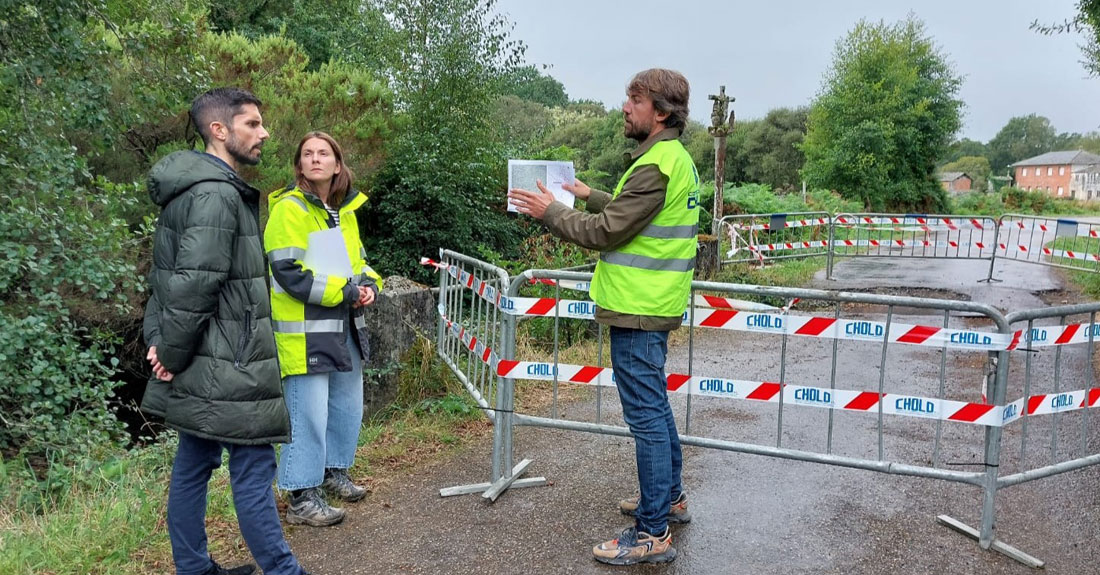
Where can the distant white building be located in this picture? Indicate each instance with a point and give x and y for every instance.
(1085, 184)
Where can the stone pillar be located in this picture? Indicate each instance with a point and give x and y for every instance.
(403, 308)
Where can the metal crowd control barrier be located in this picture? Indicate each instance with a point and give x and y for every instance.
(762, 237)
(472, 331)
(912, 236)
(1056, 380)
(797, 410)
(1052, 242)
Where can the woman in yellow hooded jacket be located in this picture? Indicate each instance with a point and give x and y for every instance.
(317, 303)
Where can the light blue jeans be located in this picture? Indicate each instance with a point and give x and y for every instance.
(326, 413)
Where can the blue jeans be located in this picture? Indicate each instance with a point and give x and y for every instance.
(326, 413)
(251, 470)
(638, 358)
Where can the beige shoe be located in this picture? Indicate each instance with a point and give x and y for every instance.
(633, 546)
(677, 511)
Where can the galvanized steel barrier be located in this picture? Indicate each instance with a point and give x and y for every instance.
(1055, 242)
(754, 237)
(912, 236)
(804, 396)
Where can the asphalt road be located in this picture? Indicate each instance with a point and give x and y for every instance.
(754, 514)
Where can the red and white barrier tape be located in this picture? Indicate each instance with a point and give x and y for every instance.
(726, 315)
(865, 401)
(471, 343)
(1088, 232)
(895, 404)
(813, 222)
(1053, 253)
(949, 223)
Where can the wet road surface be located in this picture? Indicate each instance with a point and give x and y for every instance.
(754, 514)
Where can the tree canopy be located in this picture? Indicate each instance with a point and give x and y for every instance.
(887, 112)
(1087, 23)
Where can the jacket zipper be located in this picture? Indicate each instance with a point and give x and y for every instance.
(242, 341)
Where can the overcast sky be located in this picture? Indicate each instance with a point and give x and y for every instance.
(774, 53)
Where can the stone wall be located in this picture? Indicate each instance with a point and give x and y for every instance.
(403, 308)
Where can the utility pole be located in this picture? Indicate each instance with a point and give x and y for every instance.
(719, 128)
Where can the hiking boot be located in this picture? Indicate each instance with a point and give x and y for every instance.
(633, 546)
(339, 484)
(677, 511)
(215, 569)
(310, 508)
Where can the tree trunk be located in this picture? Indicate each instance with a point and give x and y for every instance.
(707, 257)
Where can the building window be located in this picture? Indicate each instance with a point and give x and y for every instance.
(1059, 190)
(1061, 170)
(1024, 173)
(1050, 170)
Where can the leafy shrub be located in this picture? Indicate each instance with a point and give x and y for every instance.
(69, 276)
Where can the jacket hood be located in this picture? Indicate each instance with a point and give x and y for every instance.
(178, 171)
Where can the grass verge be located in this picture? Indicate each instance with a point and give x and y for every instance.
(106, 514)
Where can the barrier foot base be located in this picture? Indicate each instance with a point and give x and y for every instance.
(998, 546)
(990, 280)
(492, 491)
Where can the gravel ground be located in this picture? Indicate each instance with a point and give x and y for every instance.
(754, 514)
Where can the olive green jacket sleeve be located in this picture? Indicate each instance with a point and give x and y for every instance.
(612, 223)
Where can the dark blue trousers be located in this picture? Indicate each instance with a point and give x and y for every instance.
(251, 471)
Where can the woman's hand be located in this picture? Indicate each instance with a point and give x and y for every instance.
(366, 297)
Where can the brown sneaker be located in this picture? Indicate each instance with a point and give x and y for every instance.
(677, 511)
(633, 546)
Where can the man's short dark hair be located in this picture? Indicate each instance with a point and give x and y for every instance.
(219, 105)
(669, 91)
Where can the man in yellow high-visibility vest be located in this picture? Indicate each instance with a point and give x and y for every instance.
(646, 233)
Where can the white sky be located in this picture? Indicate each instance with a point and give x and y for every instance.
(774, 53)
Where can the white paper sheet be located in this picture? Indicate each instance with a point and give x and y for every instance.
(523, 173)
(327, 254)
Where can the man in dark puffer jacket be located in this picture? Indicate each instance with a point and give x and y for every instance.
(208, 328)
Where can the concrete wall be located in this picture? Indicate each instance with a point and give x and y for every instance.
(403, 307)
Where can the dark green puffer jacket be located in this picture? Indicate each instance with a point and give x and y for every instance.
(208, 313)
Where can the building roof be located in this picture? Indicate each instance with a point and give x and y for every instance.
(1090, 169)
(951, 176)
(1064, 157)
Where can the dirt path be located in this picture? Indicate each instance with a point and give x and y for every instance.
(752, 514)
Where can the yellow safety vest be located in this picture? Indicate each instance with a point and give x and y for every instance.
(651, 275)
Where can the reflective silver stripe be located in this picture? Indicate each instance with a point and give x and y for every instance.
(310, 326)
(291, 253)
(360, 322)
(670, 232)
(298, 201)
(317, 290)
(648, 263)
(276, 286)
(363, 253)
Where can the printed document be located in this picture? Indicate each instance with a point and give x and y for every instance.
(327, 254)
(523, 173)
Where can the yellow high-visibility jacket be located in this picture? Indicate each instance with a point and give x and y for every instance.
(311, 312)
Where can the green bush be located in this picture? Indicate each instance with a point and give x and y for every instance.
(1015, 200)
